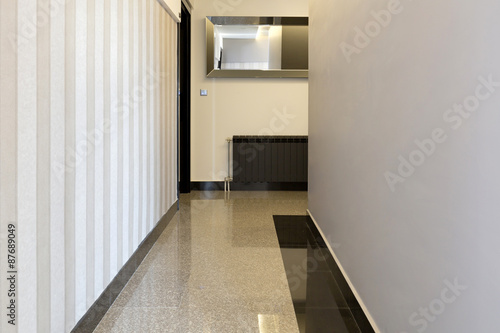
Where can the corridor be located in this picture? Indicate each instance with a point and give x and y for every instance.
(217, 267)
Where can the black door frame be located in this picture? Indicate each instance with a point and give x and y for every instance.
(185, 101)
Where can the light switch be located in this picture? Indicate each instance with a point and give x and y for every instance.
(203, 92)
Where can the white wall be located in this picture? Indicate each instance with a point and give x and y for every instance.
(239, 106)
(88, 147)
(401, 248)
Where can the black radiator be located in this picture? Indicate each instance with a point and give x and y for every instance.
(279, 162)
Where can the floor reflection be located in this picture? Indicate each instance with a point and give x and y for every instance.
(321, 297)
(215, 268)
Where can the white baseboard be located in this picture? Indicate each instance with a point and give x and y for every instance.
(358, 298)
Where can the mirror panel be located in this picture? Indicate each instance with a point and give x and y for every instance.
(257, 46)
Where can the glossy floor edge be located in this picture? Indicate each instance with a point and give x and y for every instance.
(323, 301)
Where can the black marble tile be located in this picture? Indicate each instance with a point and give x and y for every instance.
(363, 323)
(323, 292)
(321, 296)
(325, 320)
(291, 231)
(316, 259)
(351, 300)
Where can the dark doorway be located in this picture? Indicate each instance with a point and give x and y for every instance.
(185, 102)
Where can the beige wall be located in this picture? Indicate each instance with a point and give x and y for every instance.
(239, 106)
(421, 250)
(173, 7)
(88, 147)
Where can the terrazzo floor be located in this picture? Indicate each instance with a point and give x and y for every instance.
(217, 267)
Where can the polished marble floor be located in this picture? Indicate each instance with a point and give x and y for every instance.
(217, 267)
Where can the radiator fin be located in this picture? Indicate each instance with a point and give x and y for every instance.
(270, 159)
